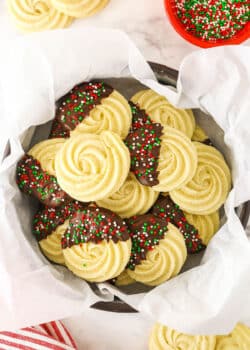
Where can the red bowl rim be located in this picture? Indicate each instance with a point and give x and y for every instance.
(239, 37)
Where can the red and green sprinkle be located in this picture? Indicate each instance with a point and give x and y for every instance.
(48, 219)
(213, 20)
(33, 180)
(144, 143)
(76, 105)
(145, 231)
(169, 211)
(94, 224)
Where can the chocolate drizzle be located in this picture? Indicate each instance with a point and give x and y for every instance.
(48, 219)
(145, 231)
(166, 209)
(76, 105)
(94, 224)
(144, 143)
(33, 180)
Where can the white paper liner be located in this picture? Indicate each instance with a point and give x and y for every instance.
(35, 72)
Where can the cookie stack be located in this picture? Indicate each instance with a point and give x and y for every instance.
(128, 188)
(33, 15)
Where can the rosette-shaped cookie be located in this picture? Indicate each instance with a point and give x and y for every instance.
(162, 111)
(207, 225)
(45, 152)
(96, 245)
(163, 158)
(158, 250)
(241, 335)
(165, 338)
(35, 173)
(209, 187)
(200, 136)
(91, 167)
(226, 342)
(177, 160)
(124, 279)
(79, 8)
(167, 210)
(131, 199)
(92, 108)
(37, 15)
(49, 224)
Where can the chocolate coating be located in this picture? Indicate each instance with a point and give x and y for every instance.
(94, 224)
(166, 209)
(76, 105)
(47, 220)
(33, 180)
(144, 143)
(145, 231)
(208, 142)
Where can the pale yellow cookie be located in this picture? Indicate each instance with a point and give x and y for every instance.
(124, 279)
(79, 8)
(112, 114)
(165, 338)
(241, 335)
(209, 187)
(37, 15)
(51, 245)
(164, 261)
(177, 160)
(207, 225)
(226, 342)
(199, 134)
(98, 262)
(131, 199)
(96, 245)
(162, 111)
(45, 152)
(91, 167)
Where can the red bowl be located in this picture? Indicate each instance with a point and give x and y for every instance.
(238, 38)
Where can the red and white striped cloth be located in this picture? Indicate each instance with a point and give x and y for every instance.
(48, 336)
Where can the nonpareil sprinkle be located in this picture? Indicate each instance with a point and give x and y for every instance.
(211, 20)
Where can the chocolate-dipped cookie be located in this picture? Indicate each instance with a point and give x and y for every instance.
(96, 246)
(158, 250)
(161, 157)
(91, 108)
(169, 211)
(49, 224)
(35, 174)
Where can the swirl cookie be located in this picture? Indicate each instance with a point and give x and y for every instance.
(91, 167)
(207, 225)
(45, 152)
(165, 338)
(162, 111)
(158, 250)
(209, 187)
(131, 199)
(124, 279)
(79, 8)
(226, 343)
(241, 335)
(167, 210)
(49, 224)
(35, 174)
(96, 245)
(33, 15)
(92, 108)
(163, 158)
(200, 136)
